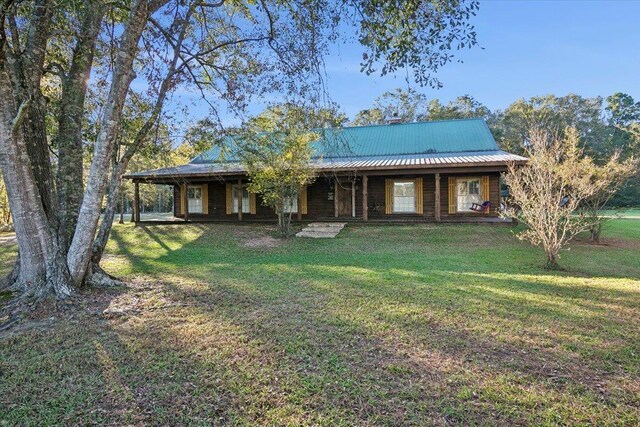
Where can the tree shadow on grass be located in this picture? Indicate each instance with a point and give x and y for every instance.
(369, 366)
(325, 341)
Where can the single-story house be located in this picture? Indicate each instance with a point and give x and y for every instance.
(428, 171)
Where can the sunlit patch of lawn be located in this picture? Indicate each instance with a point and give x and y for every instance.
(384, 325)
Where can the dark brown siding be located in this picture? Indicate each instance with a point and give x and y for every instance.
(319, 204)
(176, 200)
(218, 201)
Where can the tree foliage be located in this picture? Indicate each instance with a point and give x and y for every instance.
(404, 105)
(463, 107)
(624, 138)
(552, 113)
(412, 106)
(612, 175)
(276, 148)
(552, 186)
(604, 130)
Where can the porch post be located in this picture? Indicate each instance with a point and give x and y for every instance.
(185, 199)
(300, 204)
(240, 195)
(437, 203)
(353, 198)
(365, 198)
(335, 198)
(136, 202)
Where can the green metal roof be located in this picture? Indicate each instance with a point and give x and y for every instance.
(447, 136)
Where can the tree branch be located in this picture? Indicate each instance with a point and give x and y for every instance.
(19, 118)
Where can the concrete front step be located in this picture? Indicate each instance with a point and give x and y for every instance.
(317, 235)
(321, 230)
(339, 225)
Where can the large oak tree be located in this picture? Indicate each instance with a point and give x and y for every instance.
(52, 52)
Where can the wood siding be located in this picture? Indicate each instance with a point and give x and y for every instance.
(320, 199)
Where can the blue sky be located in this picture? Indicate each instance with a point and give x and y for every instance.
(529, 48)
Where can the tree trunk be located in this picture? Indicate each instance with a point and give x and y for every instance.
(120, 165)
(51, 260)
(41, 269)
(72, 106)
(552, 260)
(113, 194)
(81, 248)
(596, 230)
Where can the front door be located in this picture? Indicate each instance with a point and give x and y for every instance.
(344, 198)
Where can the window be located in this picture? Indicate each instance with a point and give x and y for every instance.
(467, 193)
(194, 193)
(245, 199)
(291, 205)
(404, 197)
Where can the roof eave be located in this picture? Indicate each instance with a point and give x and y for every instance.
(500, 164)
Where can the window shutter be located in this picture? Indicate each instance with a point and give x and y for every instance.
(205, 199)
(229, 199)
(183, 198)
(388, 196)
(485, 188)
(419, 196)
(252, 203)
(303, 200)
(452, 195)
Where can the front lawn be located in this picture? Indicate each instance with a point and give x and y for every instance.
(384, 325)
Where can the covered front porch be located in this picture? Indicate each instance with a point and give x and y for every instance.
(362, 196)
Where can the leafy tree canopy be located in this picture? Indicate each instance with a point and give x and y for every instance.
(463, 107)
(276, 149)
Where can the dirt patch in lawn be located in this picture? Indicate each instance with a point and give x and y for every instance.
(262, 242)
(609, 242)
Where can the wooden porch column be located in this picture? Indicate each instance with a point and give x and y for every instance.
(437, 203)
(353, 198)
(185, 189)
(240, 194)
(300, 204)
(365, 198)
(136, 202)
(335, 198)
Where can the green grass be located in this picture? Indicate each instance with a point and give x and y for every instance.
(623, 213)
(384, 325)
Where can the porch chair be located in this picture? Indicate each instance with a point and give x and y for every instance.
(484, 207)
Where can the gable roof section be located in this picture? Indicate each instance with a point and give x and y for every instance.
(448, 136)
